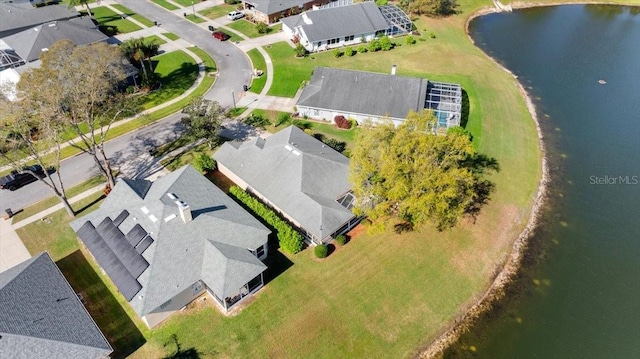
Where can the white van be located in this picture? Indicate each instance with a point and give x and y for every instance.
(235, 15)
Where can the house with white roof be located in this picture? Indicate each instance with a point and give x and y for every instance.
(331, 27)
(165, 243)
(298, 176)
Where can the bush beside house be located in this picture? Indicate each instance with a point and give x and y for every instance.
(290, 240)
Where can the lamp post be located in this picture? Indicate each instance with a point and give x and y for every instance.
(193, 8)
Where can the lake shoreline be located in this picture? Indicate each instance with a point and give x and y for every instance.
(513, 264)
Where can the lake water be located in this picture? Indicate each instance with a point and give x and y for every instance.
(583, 301)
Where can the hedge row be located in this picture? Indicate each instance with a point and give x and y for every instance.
(290, 239)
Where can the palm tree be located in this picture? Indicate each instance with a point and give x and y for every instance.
(74, 3)
(138, 51)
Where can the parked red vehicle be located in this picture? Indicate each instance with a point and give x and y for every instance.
(220, 35)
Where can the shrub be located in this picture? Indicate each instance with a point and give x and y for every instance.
(353, 123)
(300, 50)
(321, 251)
(337, 53)
(262, 28)
(204, 163)
(411, 40)
(284, 118)
(432, 35)
(257, 121)
(231, 2)
(336, 144)
(374, 45)
(349, 51)
(341, 239)
(342, 122)
(362, 49)
(385, 43)
(290, 240)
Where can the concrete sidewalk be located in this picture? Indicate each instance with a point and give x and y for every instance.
(12, 250)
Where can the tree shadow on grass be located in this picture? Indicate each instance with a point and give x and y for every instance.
(174, 84)
(88, 205)
(464, 111)
(113, 321)
(181, 353)
(276, 262)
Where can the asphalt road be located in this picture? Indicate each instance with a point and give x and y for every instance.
(129, 153)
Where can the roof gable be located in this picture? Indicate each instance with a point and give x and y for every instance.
(41, 314)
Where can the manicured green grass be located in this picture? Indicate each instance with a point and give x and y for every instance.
(210, 65)
(235, 112)
(177, 72)
(249, 28)
(258, 63)
(171, 36)
(186, 157)
(52, 201)
(217, 11)
(156, 39)
(290, 72)
(53, 232)
(107, 17)
(186, 2)
(195, 18)
(141, 19)
(165, 4)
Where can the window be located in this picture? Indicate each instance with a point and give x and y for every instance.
(349, 38)
(260, 251)
(333, 41)
(319, 43)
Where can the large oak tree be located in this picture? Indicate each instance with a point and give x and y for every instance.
(416, 175)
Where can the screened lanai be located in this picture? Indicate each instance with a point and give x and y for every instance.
(445, 99)
(399, 22)
(9, 59)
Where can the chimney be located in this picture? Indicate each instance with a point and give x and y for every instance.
(185, 211)
(393, 69)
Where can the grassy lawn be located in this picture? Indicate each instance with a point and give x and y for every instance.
(290, 72)
(156, 39)
(258, 63)
(217, 11)
(165, 4)
(210, 65)
(186, 2)
(141, 19)
(177, 72)
(108, 18)
(52, 201)
(187, 157)
(195, 18)
(325, 128)
(171, 36)
(249, 29)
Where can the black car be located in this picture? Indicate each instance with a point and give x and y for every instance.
(16, 179)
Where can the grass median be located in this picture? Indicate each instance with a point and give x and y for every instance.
(258, 62)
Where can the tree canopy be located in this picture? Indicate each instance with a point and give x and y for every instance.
(203, 120)
(412, 173)
(429, 7)
(78, 86)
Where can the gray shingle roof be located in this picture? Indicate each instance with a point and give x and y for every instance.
(41, 316)
(365, 93)
(274, 6)
(179, 257)
(18, 16)
(30, 43)
(330, 23)
(304, 182)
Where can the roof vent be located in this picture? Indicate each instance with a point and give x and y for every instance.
(169, 217)
(172, 196)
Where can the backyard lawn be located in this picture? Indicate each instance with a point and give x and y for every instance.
(257, 60)
(217, 11)
(107, 18)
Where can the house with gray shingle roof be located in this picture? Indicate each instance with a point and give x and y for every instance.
(42, 317)
(363, 96)
(29, 44)
(297, 175)
(331, 27)
(17, 17)
(165, 243)
(270, 11)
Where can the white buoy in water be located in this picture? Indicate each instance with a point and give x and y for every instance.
(602, 82)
